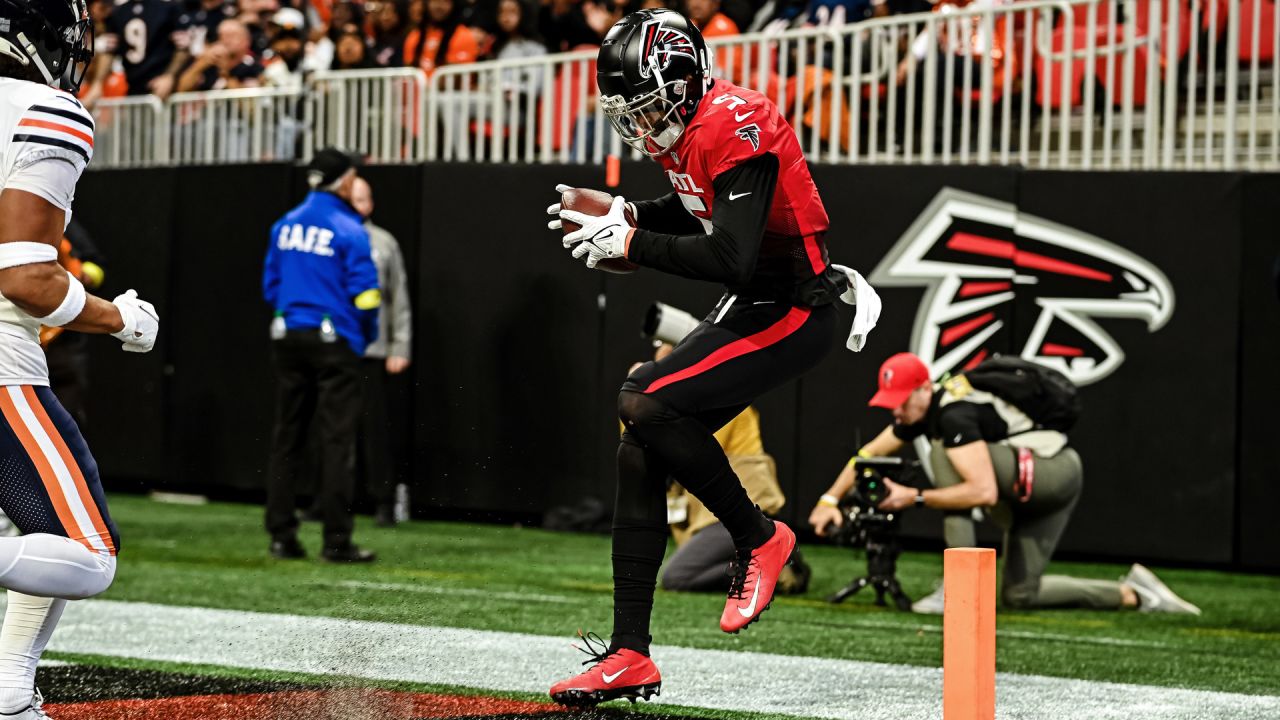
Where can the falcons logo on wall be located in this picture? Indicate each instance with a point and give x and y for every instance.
(1000, 280)
(660, 45)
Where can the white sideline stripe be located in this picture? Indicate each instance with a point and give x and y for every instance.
(464, 592)
(1018, 634)
(715, 679)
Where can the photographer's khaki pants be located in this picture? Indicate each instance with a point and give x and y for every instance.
(1032, 529)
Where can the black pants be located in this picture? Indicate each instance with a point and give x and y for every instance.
(317, 395)
(375, 433)
(670, 409)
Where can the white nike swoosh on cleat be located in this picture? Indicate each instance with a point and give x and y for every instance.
(735, 196)
(750, 610)
(610, 678)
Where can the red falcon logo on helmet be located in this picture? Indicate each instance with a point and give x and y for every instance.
(1000, 280)
(661, 43)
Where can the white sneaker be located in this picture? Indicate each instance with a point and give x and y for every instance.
(930, 604)
(1154, 595)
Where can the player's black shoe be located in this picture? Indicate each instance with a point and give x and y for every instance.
(287, 549)
(349, 553)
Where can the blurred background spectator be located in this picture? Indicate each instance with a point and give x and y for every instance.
(706, 16)
(517, 37)
(320, 52)
(352, 50)
(105, 66)
(202, 23)
(388, 28)
(225, 64)
(387, 355)
(284, 68)
(573, 24)
(256, 15)
(438, 36)
(149, 39)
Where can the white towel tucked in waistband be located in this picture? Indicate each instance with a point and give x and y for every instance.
(867, 307)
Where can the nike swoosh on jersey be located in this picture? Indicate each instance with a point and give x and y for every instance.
(740, 117)
(750, 610)
(610, 678)
(735, 196)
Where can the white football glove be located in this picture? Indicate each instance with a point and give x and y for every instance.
(141, 323)
(601, 237)
(554, 210)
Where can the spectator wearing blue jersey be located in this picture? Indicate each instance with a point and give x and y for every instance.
(320, 279)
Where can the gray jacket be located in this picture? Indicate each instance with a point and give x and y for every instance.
(395, 320)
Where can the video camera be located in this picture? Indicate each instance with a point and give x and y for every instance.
(860, 506)
(867, 526)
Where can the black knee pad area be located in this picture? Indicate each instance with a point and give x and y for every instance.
(638, 409)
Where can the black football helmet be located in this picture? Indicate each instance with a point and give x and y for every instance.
(54, 36)
(652, 71)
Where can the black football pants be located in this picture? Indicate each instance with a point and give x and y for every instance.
(375, 433)
(670, 408)
(317, 395)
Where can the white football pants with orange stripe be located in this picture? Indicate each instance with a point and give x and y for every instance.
(49, 487)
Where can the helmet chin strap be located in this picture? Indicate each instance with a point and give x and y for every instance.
(34, 55)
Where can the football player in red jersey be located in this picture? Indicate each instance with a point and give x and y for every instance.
(743, 212)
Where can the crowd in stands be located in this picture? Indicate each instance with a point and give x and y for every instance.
(160, 47)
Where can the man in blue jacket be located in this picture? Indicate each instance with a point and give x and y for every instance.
(320, 279)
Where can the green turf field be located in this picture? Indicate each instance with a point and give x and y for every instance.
(531, 581)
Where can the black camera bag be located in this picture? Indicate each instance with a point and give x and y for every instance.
(1044, 394)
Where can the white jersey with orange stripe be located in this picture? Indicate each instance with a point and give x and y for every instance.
(46, 141)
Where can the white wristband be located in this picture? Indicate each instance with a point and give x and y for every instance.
(71, 307)
(13, 254)
(829, 500)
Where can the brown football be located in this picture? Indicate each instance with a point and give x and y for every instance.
(595, 202)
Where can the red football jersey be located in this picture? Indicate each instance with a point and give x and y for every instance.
(733, 125)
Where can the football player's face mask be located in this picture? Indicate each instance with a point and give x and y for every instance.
(79, 39)
(650, 123)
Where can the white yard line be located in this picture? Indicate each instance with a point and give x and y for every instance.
(743, 681)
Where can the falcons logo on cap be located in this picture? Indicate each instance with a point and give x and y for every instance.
(661, 43)
(1000, 280)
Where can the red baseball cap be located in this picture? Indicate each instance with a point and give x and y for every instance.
(900, 375)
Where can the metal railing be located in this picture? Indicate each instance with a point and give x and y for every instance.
(129, 132)
(1156, 84)
(377, 113)
(228, 126)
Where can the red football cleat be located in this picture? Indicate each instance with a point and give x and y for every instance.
(619, 674)
(754, 578)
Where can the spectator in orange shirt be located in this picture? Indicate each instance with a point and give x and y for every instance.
(706, 15)
(439, 37)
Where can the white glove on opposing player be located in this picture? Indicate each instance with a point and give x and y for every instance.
(141, 323)
(601, 237)
(554, 210)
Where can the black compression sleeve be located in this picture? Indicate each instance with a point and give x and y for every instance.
(743, 196)
(666, 215)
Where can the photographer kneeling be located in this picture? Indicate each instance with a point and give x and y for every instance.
(988, 453)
